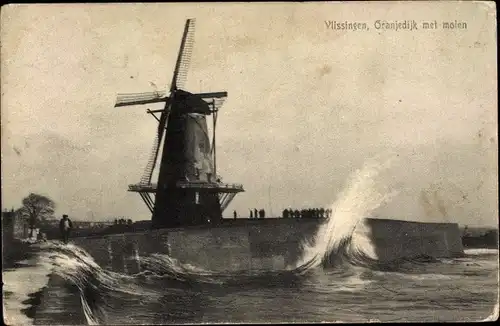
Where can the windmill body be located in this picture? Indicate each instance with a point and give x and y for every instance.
(188, 191)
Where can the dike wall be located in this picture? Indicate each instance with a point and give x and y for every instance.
(265, 244)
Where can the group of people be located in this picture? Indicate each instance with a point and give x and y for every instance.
(261, 213)
(307, 213)
(123, 221)
(254, 213)
(311, 213)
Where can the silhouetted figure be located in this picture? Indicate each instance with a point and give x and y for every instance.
(285, 213)
(466, 232)
(251, 214)
(297, 213)
(41, 236)
(321, 213)
(255, 213)
(235, 215)
(65, 226)
(262, 213)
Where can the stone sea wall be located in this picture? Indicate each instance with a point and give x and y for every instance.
(393, 239)
(273, 244)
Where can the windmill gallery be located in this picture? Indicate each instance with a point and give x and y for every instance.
(188, 199)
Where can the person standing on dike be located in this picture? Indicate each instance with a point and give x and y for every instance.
(65, 226)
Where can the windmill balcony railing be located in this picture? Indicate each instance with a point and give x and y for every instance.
(145, 187)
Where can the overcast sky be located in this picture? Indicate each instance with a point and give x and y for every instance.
(306, 106)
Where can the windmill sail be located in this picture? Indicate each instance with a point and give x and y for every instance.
(140, 98)
(179, 78)
(184, 57)
(148, 171)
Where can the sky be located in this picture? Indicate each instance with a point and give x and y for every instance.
(307, 105)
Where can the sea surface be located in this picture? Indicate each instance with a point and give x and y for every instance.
(462, 289)
(62, 284)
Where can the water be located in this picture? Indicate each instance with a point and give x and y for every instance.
(356, 289)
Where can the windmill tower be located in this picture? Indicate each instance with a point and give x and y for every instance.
(188, 191)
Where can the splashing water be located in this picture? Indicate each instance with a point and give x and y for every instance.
(75, 265)
(362, 194)
(161, 265)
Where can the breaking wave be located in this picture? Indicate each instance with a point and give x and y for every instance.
(103, 293)
(335, 240)
(96, 285)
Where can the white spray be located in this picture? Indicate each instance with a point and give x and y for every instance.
(362, 194)
(74, 264)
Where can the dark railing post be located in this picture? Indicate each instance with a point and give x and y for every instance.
(214, 120)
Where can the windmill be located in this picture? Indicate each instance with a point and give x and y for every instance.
(188, 190)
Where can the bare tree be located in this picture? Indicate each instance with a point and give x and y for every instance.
(36, 208)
